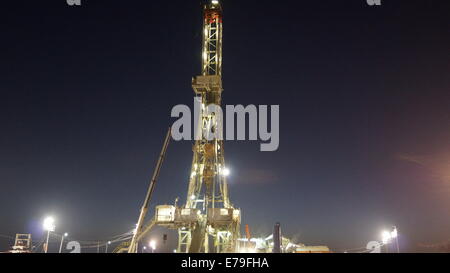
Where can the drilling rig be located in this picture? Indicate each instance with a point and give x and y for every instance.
(207, 222)
(208, 190)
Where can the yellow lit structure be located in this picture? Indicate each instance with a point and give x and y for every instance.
(207, 222)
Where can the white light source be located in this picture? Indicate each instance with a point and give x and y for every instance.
(386, 237)
(226, 172)
(215, 2)
(49, 224)
(66, 234)
(153, 245)
(106, 247)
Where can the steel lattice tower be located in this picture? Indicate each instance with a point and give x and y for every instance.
(208, 221)
(208, 190)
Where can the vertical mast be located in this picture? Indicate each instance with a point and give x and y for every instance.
(212, 39)
(207, 187)
(217, 221)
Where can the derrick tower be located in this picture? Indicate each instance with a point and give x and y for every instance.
(208, 190)
(207, 222)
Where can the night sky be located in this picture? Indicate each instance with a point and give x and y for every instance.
(86, 94)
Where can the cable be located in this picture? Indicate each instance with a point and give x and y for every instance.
(98, 243)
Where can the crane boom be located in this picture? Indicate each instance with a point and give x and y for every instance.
(144, 209)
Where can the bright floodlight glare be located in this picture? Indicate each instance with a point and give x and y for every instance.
(215, 2)
(66, 234)
(49, 224)
(386, 237)
(153, 244)
(394, 233)
(109, 242)
(226, 172)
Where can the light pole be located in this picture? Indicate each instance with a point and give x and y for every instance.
(394, 234)
(49, 226)
(143, 249)
(386, 238)
(106, 250)
(62, 239)
(153, 245)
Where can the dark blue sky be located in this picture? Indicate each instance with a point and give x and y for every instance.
(86, 94)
